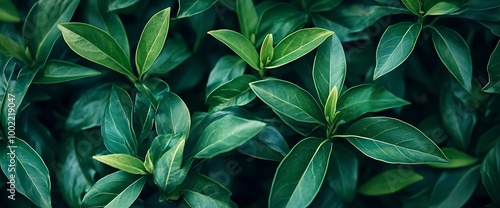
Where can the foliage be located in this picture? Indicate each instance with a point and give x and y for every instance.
(251, 103)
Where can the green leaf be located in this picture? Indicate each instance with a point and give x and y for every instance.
(227, 68)
(365, 98)
(169, 172)
(280, 20)
(143, 117)
(389, 181)
(8, 12)
(414, 6)
(127, 163)
(236, 92)
(329, 68)
(88, 110)
(224, 135)
(454, 188)
(188, 8)
(248, 19)
(320, 5)
(269, 144)
(493, 85)
(31, 176)
(152, 40)
(342, 173)
(487, 140)
(266, 51)
(454, 53)
(441, 7)
(174, 53)
(304, 129)
(40, 32)
(172, 116)
(288, 99)
(159, 146)
(393, 141)
(119, 189)
(300, 175)
(297, 45)
(239, 44)
(9, 47)
(120, 4)
(457, 120)
(331, 106)
(97, 46)
(117, 132)
(154, 89)
(490, 172)
(56, 71)
(396, 45)
(457, 159)
(202, 191)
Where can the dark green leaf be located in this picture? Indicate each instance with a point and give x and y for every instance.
(236, 92)
(239, 44)
(320, 5)
(9, 47)
(304, 129)
(119, 189)
(143, 117)
(8, 12)
(454, 53)
(97, 46)
(224, 135)
(126, 163)
(30, 175)
(493, 85)
(88, 110)
(490, 172)
(454, 188)
(481, 5)
(342, 173)
(395, 46)
(152, 40)
(389, 181)
(120, 4)
(297, 45)
(365, 98)
(40, 32)
(487, 140)
(329, 68)
(226, 69)
(169, 171)
(154, 89)
(269, 144)
(188, 8)
(300, 175)
(279, 20)
(414, 6)
(201, 191)
(172, 116)
(288, 99)
(117, 132)
(457, 159)
(248, 19)
(173, 54)
(158, 147)
(56, 71)
(393, 141)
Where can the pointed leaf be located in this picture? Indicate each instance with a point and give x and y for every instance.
(143, 117)
(154, 89)
(56, 71)
(269, 144)
(297, 45)
(172, 116)
(127, 163)
(120, 4)
(329, 67)
(227, 68)
(457, 159)
(454, 53)
(442, 7)
(365, 98)
(169, 171)
(158, 147)
(395, 46)
(454, 188)
(393, 141)
(188, 8)
(389, 181)
(8, 12)
(414, 6)
(493, 85)
(236, 92)
(288, 99)
(300, 175)
(490, 173)
(88, 110)
(152, 40)
(331, 106)
(9, 47)
(239, 44)
(119, 189)
(248, 19)
(266, 51)
(202, 191)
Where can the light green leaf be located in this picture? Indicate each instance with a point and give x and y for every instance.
(454, 188)
(227, 68)
(56, 71)
(395, 46)
(188, 8)
(152, 40)
(9, 47)
(248, 19)
(300, 175)
(120, 4)
(393, 141)
(116, 130)
(269, 144)
(493, 85)
(441, 7)
(490, 173)
(40, 32)
(31, 176)
(389, 181)
(457, 159)
(224, 135)
(454, 53)
(172, 116)
(414, 6)
(288, 99)
(201, 191)
(236, 92)
(239, 44)
(8, 12)
(169, 171)
(331, 106)
(297, 45)
(329, 68)
(127, 163)
(266, 51)
(97, 46)
(365, 98)
(119, 189)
